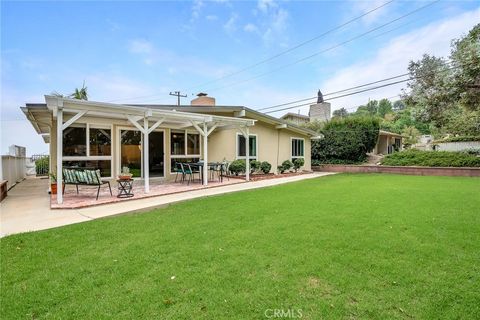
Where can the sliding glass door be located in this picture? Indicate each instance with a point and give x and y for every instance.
(131, 151)
(131, 142)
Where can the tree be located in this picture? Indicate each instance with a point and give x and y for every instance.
(384, 107)
(398, 105)
(342, 113)
(465, 56)
(430, 97)
(80, 94)
(411, 135)
(346, 140)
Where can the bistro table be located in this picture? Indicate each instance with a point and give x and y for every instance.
(199, 165)
(125, 187)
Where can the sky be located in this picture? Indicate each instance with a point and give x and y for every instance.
(138, 52)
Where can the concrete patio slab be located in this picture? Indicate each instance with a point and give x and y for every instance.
(27, 207)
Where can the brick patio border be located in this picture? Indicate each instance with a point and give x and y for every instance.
(419, 171)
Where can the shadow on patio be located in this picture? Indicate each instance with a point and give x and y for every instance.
(87, 194)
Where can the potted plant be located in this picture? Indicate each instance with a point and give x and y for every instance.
(125, 174)
(53, 182)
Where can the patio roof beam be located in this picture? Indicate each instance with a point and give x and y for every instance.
(155, 125)
(212, 128)
(73, 119)
(134, 121)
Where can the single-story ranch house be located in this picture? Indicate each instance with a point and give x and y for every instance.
(112, 136)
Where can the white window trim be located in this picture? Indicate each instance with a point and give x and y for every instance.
(291, 150)
(185, 155)
(237, 146)
(87, 142)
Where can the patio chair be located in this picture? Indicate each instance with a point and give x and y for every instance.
(190, 172)
(226, 169)
(216, 168)
(178, 169)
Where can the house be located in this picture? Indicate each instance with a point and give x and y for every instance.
(296, 118)
(388, 142)
(111, 136)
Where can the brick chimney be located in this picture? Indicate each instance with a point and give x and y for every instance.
(203, 100)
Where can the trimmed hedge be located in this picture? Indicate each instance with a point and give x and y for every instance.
(459, 139)
(334, 161)
(346, 139)
(431, 159)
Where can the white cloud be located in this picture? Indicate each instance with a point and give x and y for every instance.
(392, 59)
(250, 27)
(140, 46)
(231, 25)
(362, 7)
(211, 17)
(266, 5)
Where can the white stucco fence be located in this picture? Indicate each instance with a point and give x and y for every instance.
(458, 146)
(13, 169)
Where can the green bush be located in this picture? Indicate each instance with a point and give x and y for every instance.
(237, 166)
(334, 161)
(254, 166)
(459, 139)
(298, 163)
(346, 139)
(42, 165)
(286, 165)
(265, 167)
(415, 157)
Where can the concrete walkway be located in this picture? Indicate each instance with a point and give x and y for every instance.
(27, 207)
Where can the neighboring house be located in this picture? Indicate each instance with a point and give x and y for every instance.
(111, 136)
(388, 142)
(296, 118)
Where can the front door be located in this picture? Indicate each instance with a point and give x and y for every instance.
(156, 154)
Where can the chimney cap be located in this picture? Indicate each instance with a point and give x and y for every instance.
(201, 94)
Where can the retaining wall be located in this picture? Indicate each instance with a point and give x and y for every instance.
(419, 171)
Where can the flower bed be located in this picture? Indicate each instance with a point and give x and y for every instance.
(262, 176)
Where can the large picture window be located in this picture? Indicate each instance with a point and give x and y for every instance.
(75, 141)
(242, 147)
(298, 148)
(184, 147)
(89, 146)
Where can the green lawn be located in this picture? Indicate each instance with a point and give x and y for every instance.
(344, 246)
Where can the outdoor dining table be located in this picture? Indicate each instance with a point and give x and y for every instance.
(200, 165)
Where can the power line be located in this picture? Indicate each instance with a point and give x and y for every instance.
(276, 55)
(344, 95)
(326, 50)
(352, 88)
(294, 47)
(335, 92)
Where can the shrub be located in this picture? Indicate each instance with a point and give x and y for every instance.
(459, 139)
(42, 165)
(237, 166)
(415, 157)
(254, 166)
(346, 139)
(334, 161)
(286, 165)
(265, 167)
(298, 163)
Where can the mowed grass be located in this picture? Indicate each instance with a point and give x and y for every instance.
(343, 246)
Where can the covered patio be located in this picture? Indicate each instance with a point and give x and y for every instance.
(66, 112)
(86, 194)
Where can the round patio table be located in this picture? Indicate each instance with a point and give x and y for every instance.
(125, 187)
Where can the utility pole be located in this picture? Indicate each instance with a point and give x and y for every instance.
(178, 95)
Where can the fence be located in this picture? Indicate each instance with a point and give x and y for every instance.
(13, 169)
(41, 162)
